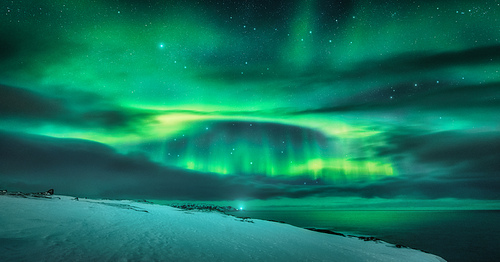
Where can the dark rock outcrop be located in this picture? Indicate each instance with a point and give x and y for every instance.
(46, 194)
(326, 231)
(204, 207)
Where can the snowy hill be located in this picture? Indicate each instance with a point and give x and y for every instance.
(66, 229)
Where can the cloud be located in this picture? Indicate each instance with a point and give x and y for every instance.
(431, 97)
(27, 52)
(412, 62)
(69, 108)
(474, 152)
(84, 168)
(18, 102)
(453, 163)
(396, 65)
(370, 84)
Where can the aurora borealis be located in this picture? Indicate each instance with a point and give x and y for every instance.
(230, 100)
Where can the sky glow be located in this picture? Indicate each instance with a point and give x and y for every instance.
(226, 100)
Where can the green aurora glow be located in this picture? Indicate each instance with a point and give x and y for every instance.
(368, 98)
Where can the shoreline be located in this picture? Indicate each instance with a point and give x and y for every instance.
(226, 210)
(137, 230)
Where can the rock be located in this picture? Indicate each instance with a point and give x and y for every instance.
(204, 207)
(369, 239)
(46, 194)
(326, 231)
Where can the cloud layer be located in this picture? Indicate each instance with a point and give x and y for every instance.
(83, 168)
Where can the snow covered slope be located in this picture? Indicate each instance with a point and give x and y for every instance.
(65, 229)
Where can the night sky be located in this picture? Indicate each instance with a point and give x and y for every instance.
(298, 101)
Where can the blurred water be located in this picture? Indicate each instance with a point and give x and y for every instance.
(453, 235)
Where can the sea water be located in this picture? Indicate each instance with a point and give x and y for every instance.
(452, 235)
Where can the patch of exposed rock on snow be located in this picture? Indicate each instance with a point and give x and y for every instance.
(63, 228)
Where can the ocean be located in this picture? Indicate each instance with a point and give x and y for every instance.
(453, 235)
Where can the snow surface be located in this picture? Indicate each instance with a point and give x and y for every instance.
(65, 229)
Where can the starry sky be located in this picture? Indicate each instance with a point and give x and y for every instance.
(293, 101)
